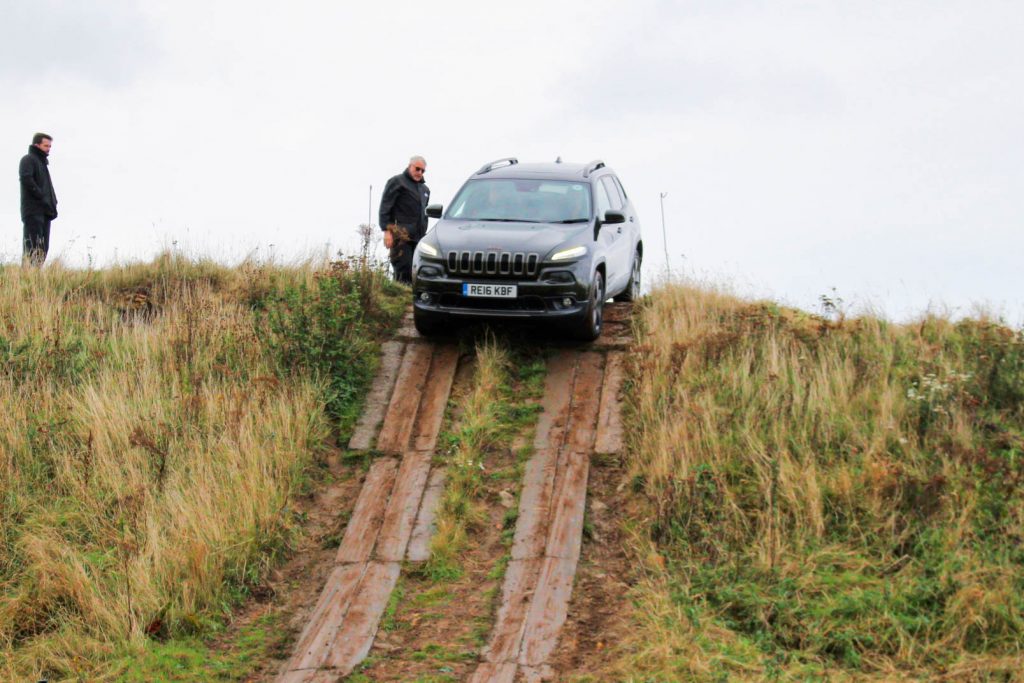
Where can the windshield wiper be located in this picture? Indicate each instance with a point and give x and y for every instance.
(574, 220)
(507, 220)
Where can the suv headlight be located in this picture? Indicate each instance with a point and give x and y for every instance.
(428, 249)
(574, 252)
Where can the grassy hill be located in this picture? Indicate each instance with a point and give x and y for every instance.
(806, 498)
(824, 498)
(156, 420)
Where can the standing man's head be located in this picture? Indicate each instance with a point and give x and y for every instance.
(417, 167)
(43, 142)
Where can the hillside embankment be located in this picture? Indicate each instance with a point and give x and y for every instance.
(822, 498)
(799, 498)
(157, 424)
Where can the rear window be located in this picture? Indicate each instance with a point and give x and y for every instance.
(534, 201)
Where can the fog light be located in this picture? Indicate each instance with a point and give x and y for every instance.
(424, 297)
(567, 302)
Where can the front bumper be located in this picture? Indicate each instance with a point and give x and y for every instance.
(442, 296)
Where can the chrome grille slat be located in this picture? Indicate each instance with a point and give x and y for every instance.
(493, 262)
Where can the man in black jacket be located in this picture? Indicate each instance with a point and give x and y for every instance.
(403, 216)
(38, 201)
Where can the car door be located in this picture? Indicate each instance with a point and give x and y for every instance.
(620, 252)
(632, 220)
(606, 235)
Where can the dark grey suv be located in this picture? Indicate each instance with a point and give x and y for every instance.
(547, 241)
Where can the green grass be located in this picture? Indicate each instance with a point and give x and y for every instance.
(192, 659)
(442, 653)
(502, 403)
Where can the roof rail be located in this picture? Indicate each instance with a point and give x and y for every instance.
(591, 167)
(487, 168)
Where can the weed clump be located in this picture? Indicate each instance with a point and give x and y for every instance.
(331, 326)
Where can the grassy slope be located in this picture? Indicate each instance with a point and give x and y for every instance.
(155, 420)
(812, 498)
(824, 498)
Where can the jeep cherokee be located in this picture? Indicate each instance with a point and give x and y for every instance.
(545, 241)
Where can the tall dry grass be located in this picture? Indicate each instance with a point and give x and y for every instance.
(149, 447)
(821, 496)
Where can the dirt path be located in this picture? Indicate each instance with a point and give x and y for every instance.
(540, 630)
(387, 515)
(439, 624)
(597, 616)
(539, 581)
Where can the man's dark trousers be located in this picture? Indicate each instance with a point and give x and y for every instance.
(401, 260)
(37, 238)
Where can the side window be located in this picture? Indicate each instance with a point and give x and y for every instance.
(603, 203)
(613, 192)
(622, 190)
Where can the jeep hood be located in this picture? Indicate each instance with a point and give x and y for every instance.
(538, 238)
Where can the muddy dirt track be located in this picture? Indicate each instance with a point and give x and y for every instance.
(392, 521)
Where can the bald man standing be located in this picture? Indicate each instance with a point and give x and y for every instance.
(403, 216)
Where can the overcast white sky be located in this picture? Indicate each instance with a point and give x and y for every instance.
(871, 147)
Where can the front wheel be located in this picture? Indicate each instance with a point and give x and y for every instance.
(588, 328)
(632, 291)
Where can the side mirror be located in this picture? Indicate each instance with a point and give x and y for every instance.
(611, 217)
(435, 211)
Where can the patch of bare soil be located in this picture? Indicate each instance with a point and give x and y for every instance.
(292, 590)
(599, 611)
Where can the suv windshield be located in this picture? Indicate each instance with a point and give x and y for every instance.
(531, 201)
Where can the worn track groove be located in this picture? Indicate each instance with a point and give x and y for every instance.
(549, 531)
(393, 515)
(379, 397)
(393, 519)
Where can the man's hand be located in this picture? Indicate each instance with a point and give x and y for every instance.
(389, 238)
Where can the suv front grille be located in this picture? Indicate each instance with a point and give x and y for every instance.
(496, 263)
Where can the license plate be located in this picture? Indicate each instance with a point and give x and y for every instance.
(493, 291)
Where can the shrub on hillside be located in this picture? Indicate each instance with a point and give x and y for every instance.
(332, 326)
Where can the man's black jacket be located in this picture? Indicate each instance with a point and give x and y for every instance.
(37, 196)
(404, 203)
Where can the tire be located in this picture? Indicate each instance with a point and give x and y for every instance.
(588, 327)
(632, 290)
(427, 325)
